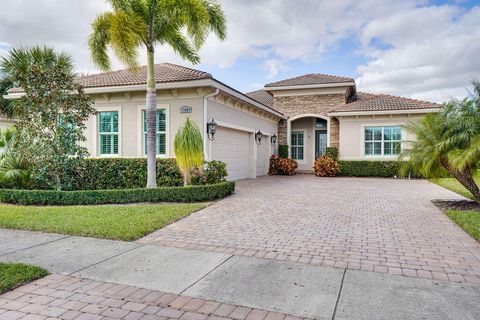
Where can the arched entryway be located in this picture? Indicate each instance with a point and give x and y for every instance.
(308, 136)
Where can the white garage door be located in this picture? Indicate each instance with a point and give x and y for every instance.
(262, 157)
(232, 147)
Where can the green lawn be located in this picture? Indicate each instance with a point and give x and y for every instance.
(455, 186)
(119, 222)
(467, 220)
(13, 275)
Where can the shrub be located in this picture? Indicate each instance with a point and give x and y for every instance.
(84, 197)
(283, 151)
(332, 152)
(282, 166)
(214, 172)
(326, 166)
(370, 168)
(118, 173)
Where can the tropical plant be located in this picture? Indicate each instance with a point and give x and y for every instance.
(449, 142)
(188, 146)
(14, 165)
(5, 104)
(183, 25)
(326, 166)
(282, 166)
(213, 172)
(52, 113)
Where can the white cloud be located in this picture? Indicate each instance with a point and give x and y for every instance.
(427, 51)
(274, 67)
(433, 55)
(4, 48)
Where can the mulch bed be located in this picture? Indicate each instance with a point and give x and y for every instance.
(465, 205)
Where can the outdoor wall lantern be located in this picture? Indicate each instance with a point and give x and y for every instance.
(273, 139)
(258, 137)
(211, 129)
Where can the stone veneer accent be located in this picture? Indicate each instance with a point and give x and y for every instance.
(318, 104)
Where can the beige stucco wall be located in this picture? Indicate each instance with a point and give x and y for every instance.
(352, 134)
(130, 108)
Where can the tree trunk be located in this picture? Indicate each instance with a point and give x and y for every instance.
(465, 178)
(151, 122)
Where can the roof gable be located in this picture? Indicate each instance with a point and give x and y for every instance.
(262, 96)
(366, 102)
(310, 79)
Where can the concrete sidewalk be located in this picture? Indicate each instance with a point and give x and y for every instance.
(292, 288)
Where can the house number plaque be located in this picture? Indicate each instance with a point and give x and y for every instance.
(186, 109)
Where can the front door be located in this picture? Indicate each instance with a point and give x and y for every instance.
(320, 143)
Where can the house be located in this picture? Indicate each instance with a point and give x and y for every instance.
(307, 113)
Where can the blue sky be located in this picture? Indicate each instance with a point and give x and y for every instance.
(414, 48)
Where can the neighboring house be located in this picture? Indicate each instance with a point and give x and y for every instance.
(308, 113)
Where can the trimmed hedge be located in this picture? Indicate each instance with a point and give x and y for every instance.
(283, 151)
(370, 168)
(332, 152)
(163, 194)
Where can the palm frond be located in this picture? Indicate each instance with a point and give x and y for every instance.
(181, 46)
(188, 147)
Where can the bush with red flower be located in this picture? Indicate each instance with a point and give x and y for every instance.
(326, 166)
(282, 166)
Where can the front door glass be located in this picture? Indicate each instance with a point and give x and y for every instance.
(320, 143)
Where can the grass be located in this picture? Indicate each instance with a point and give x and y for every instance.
(118, 222)
(467, 220)
(455, 186)
(13, 275)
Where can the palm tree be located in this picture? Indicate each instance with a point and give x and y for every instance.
(188, 146)
(449, 142)
(182, 24)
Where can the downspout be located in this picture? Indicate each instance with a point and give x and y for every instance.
(205, 120)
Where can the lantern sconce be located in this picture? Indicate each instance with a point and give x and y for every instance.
(258, 137)
(211, 129)
(273, 139)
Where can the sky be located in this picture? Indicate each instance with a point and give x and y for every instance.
(428, 50)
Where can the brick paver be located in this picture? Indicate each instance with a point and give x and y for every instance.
(23, 303)
(379, 225)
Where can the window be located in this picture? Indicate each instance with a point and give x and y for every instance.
(108, 132)
(297, 143)
(161, 131)
(383, 141)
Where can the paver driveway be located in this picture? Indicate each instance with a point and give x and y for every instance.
(380, 225)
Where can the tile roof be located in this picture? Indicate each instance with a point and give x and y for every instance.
(261, 96)
(383, 102)
(164, 72)
(310, 79)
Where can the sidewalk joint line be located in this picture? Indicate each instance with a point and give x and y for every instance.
(201, 278)
(339, 294)
(106, 259)
(34, 246)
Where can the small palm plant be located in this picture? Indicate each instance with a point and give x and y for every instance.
(449, 142)
(188, 146)
(133, 24)
(14, 166)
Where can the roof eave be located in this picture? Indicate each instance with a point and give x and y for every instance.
(383, 112)
(174, 85)
(311, 86)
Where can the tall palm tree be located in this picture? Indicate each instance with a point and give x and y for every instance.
(188, 145)
(449, 142)
(182, 24)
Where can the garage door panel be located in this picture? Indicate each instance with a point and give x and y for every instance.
(232, 147)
